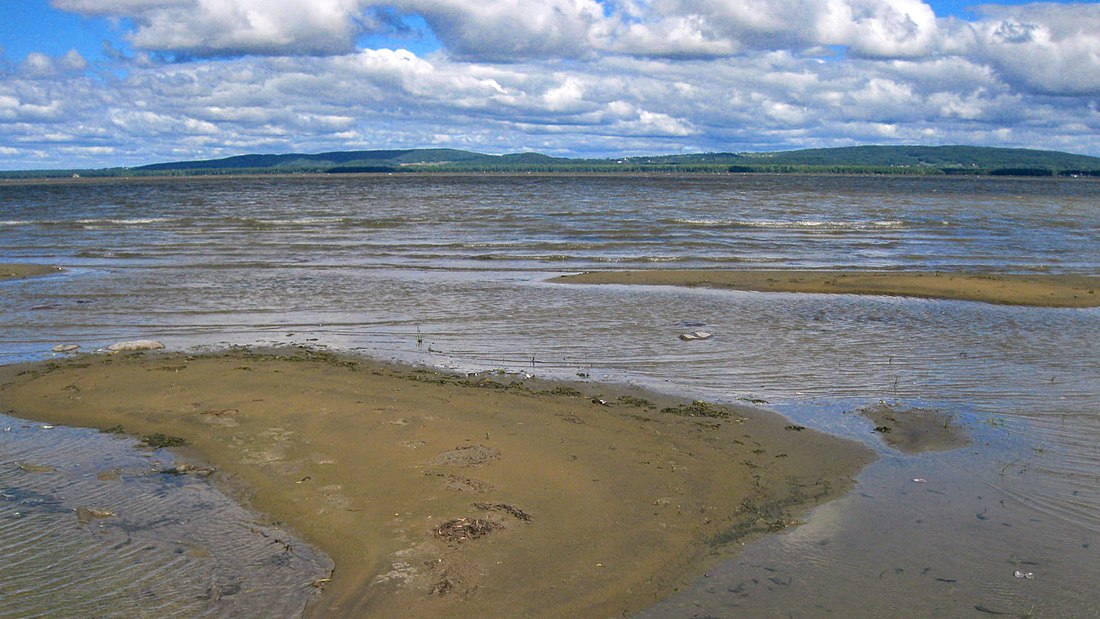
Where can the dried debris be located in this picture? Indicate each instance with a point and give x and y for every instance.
(458, 483)
(507, 508)
(188, 469)
(159, 441)
(28, 467)
(87, 514)
(698, 408)
(459, 530)
(467, 455)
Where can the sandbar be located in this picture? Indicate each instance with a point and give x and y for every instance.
(1041, 290)
(444, 495)
(23, 271)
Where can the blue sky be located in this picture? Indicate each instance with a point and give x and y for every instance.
(103, 83)
(29, 26)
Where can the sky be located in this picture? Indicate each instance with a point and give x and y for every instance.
(106, 83)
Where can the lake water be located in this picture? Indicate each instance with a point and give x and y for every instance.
(90, 526)
(373, 264)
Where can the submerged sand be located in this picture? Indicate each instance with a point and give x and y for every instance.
(912, 429)
(23, 271)
(1004, 289)
(453, 496)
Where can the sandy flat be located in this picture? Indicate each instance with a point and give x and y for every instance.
(453, 496)
(23, 271)
(1006, 289)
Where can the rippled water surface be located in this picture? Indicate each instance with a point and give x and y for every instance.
(90, 526)
(366, 264)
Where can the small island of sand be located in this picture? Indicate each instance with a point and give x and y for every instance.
(23, 271)
(1003, 289)
(439, 495)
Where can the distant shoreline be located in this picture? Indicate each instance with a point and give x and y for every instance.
(1002, 289)
(913, 160)
(14, 181)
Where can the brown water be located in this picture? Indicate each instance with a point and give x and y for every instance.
(452, 272)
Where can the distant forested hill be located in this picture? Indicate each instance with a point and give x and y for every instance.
(945, 158)
(974, 160)
(896, 159)
(322, 162)
(868, 159)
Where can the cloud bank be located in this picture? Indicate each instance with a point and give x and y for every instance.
(207, 78)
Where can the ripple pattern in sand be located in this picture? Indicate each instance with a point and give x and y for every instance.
(90, 527)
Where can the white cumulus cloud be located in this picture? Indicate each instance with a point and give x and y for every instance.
(879, 28)
(203, 28)
(1048, 48)
(509, 30)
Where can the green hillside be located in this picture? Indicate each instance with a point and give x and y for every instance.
(925, 160)
(892, 160)
(320, 162)
(944, 158)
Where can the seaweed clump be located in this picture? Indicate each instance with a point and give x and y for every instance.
(159, 441)
(459, 530)
(698, 408)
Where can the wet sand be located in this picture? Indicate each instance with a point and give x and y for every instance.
(915, 430)
(441, 495)
(23, 271)
(1003, 289)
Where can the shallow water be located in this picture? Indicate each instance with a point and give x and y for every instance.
(91, 527)
(452, 271)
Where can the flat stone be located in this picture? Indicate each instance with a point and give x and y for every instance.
(66, 348)
(135, 345)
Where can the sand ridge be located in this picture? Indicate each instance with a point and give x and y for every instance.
(1043, 290)
(23, 271)
(458, 496)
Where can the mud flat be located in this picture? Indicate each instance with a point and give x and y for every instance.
(913, 429)
(1003, 289)
(23, 271)
(460, 496)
